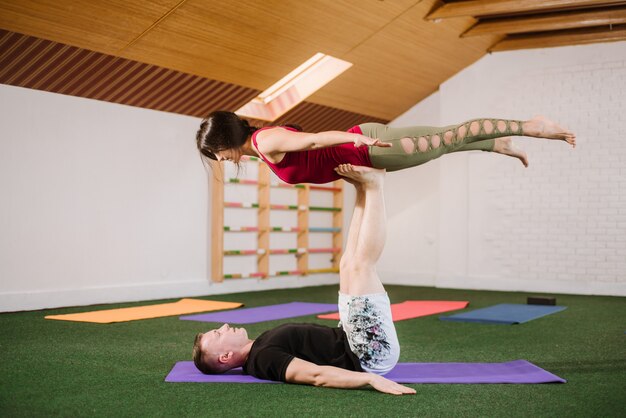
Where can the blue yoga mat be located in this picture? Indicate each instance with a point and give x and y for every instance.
(264, 313)
(505, 313)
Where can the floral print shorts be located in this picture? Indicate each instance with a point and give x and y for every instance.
(371, 333)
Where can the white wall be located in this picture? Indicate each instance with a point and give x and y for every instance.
(411, 255)
(558, 226)
(103, 203)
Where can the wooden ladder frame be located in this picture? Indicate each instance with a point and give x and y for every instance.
(264, 227)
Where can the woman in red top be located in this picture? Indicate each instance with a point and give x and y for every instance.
(299, 157)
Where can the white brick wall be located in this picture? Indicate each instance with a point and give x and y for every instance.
(560, 225)
(412, 212)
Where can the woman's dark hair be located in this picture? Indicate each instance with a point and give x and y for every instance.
(220, 131)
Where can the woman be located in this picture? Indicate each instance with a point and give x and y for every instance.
(299, 157)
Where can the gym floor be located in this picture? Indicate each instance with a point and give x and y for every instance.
(57, 368)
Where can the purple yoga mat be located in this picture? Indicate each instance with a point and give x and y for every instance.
(263, 313)
(518, 371)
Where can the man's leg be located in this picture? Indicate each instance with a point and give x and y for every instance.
(367, 235)
(353, 237)
(364, 306)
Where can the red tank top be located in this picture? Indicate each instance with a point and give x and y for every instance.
(317, 165)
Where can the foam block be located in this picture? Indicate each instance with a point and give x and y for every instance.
(540, 300)
(518, 371)
(183, 306)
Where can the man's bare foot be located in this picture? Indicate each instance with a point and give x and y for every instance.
(541, 127)
(353, 182)
(505, 146)
(360, 175)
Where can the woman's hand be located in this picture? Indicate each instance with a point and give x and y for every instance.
(366, 140)
(384, 385)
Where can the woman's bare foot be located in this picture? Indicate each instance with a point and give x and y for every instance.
(360, 175)
(541, 127)
(505, 146)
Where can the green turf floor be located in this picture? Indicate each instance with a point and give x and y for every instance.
(57, 368)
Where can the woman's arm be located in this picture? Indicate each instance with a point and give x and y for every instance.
(304, 372)
(278, 140)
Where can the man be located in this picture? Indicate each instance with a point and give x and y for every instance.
(357, 353)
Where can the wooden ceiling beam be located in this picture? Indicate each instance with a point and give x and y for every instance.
(549, 22)
(561, 38)
(478, 8)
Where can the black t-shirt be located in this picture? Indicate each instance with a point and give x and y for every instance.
(272, 352)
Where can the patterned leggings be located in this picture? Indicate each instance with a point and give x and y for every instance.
(371, 333)
(412, 146)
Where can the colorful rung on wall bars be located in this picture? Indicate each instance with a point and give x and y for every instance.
(263, 228)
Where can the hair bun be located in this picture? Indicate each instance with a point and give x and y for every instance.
(247, 128)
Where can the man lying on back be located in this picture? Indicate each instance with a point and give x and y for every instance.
(358, 352)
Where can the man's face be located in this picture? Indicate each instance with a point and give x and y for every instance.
(224, 339)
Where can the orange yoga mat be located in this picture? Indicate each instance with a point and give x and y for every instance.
(414, 309)
(183, 306)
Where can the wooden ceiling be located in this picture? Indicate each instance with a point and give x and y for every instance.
(539, 23)
(402, 50)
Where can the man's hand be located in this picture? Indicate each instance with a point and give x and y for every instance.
(304, 372)
(384, 385)
(366, 140)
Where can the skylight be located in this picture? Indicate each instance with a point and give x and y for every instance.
(292, 89)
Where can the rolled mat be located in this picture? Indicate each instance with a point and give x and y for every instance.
(264, 313)
(505, 313)
(518, 371)
(414, 309)
(183, 306)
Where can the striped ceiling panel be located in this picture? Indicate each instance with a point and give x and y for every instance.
(316, 118)
(30, 62)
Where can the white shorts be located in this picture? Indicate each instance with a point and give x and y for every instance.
(371, 333)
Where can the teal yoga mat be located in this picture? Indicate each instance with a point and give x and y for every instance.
(505, 313)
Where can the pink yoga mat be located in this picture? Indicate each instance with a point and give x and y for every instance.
(414, 309)
(518, 371)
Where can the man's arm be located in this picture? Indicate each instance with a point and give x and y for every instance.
(304, 372)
